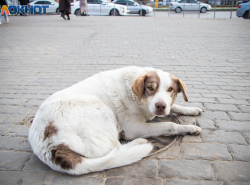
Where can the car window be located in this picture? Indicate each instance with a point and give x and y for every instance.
(47, 2)
(91, 1)
(121, 2)
(130, 3)
(39, 2)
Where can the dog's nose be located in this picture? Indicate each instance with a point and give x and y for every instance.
(160, 106)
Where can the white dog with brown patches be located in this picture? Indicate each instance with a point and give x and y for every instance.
(76, 130)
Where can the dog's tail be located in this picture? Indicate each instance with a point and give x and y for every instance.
(120, 156)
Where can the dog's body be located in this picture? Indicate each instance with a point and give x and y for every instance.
(76, 130)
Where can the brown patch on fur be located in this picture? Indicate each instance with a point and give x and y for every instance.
(50, 130)
(138, 86)
(153, 82)
(178, 86)
(121, 135)
(65, 157)
(145, 81)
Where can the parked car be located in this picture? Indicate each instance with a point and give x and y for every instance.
(134, 7)
(243, 10)
(189, 5)
(163, 3)
(241, 2)
(100, 7)
(53, 6)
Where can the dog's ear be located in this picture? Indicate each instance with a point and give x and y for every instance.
(138, 85)
(182, 88)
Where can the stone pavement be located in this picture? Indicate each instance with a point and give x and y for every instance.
(40, 55)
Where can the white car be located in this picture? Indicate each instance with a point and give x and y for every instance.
(53, 6)
(189, 5)
(134, 7)
(100, 7)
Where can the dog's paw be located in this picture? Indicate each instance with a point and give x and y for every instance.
(194, 111)
(196, 130)
(140, 141)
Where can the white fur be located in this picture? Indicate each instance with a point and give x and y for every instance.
(90, 114)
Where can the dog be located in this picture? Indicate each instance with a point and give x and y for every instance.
(76, 130)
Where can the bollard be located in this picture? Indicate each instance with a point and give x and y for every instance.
(214, 8)
(231, 9)
(199, 10)
(140, 9)
(154, 9)
(184, 9)
(168, 8)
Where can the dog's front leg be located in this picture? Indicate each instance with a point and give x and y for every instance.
(145, 130)
(191, 111)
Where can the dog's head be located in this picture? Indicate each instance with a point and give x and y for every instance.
(158, 90)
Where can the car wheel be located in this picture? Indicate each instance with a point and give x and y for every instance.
(114, 12)
(203, 10)
(178, 10)
(246, 15)
(57, 11)
(78, 12)
(142, 12)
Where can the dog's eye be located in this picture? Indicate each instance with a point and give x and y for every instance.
(170, 89)
(150, 88)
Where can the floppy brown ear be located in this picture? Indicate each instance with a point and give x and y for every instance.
(138, 85)
(183, 89)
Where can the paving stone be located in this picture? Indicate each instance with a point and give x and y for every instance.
(185, 169)
(223, 137)
(145, 168)
(60, 179)
(192, 139)
(19, 130)
(3, 117)
(239, 116)
(193, 182)
(206, 123)
(17, 177)
(233, 125)
(205, 151)
(202, 100)
(123, 181)
(215, 115)
(221, 107)
(240, 152)
(15, 110)
(231, 171)
(233, 101)
(216, 96)
(14, 102)
(244, 109)
(25, 146)
(237, 183)
(241, 97)
(174, 152)
(13, 119)
(247, 136)
(5, 128)
(13, 160)
(9, 143)
(36, 165)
